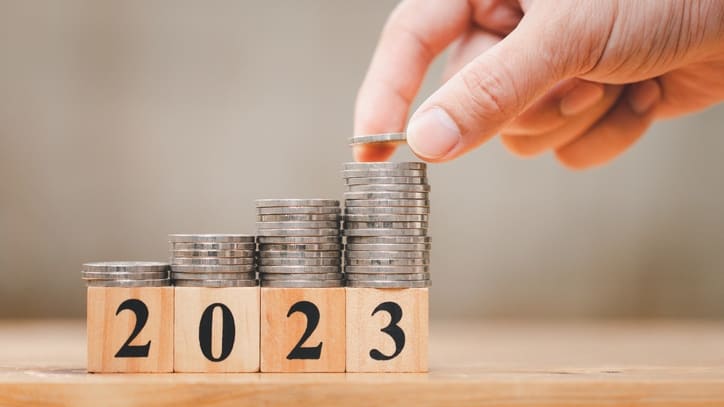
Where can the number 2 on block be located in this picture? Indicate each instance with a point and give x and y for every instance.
(312, 313)
(141, 312)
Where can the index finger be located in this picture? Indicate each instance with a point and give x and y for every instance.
(415, 33)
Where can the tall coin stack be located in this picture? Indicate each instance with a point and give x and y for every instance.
(126, 274)
(386, 216)
(300, 245)
(213, 260)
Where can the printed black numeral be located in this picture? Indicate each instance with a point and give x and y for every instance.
(141, 311)
(392, 329)
(312, 313)
(228, 332)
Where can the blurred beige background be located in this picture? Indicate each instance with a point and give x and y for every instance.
(121, 122)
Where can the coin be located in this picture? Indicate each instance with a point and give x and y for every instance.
(211, 238)
(400, 210)
(389, 239)
(300, 262)
(302, 283)
(385, 225)
(129, 266)
(214, 253)
(298, 232)
(388, 203)
(386, 180)
(213, 261)
(306, 276)
(124, 275)
(319, 224)
(388, 188)
(129, 283)
(299, 269)
(353, 247)
(296, 254)
(378, 138)
(383, 173)
(298, 217)
(386, 269)
(385, 232)
(388, 284)
(385, 165)
(213, 276)
(211, 246)
(385, 195)
(303, 247)
(386, 262)
(389, 277)
(195, 268)
(352, 254)
(385, 217)
(300, 239)
(216, 283)
(297, 210)
(266, 203)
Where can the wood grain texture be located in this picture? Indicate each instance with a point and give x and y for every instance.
(281, 333)
(244, 307)
(364, 330)
(107, 332)
(472, 363)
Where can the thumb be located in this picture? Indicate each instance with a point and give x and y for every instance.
(490, 91)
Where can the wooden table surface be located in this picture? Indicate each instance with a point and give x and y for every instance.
(475, 363)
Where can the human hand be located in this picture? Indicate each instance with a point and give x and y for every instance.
(583, 78)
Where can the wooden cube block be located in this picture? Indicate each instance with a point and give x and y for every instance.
(302, 329)
(216, 329)
(387, 329)
(130, 329)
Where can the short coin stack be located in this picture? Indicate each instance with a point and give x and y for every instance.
(387, 210)
(213, 260)
(300, 245)
(126, 274)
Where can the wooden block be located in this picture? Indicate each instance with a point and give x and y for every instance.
(130, 329)
(302, 329)
(387, 329)
(216, 329)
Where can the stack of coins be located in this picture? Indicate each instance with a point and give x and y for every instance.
(386, 216)
(213, 260)
(300, 245)
(126, 274)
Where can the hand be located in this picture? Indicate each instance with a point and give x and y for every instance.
(583, 78)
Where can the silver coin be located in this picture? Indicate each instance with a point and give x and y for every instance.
(211, 246)
(298, 210)
(317, 224)
(210, 238)
(383, 173)
(300, 239)
(302, 283)
(388, 188)
(298, 217)
(387, 262)
(124, 275)
(388, 284)
(305, 248)
(214, 253)
(386, 210)
(387, 247)
(128, 266)
(216, 283)
(164, 282)
(385, 195)
(389, 239)
(386, 180)
(213, 276)
(212, 261)
(266, 203)
(385, 165)
(378, 138)
(385, 225)
(385, 232)
(298, 232)
(386, 217)
(297, 254)
(196, 268)
(299, 269)
(306, 276)
(351, 254)
(300, 262)
(386, 269)
(387, 202)
(389, 277)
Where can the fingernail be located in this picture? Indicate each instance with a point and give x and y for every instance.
(432, 133)
(581, 98)
(643, 96)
